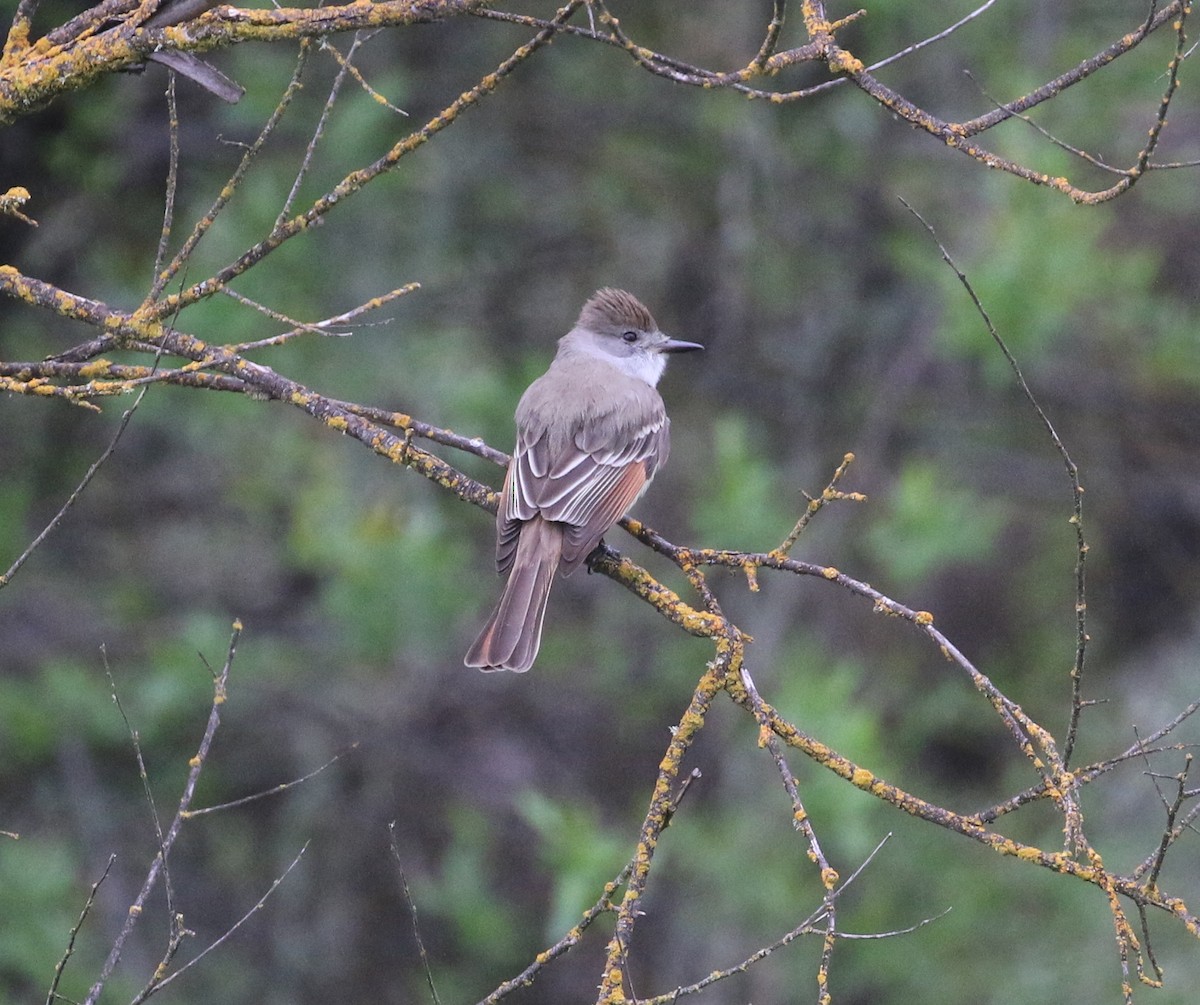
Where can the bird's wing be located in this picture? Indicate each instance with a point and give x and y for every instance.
(588, 484)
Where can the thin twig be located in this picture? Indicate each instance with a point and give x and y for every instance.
(52, 994)
(802, 823)
(814, 924)
(357, 180)
(71, 499)
(205, 223)
(937, 37)
(274, 791)
(317, 134)
(1173, 808)
(157, 986)
(1081, 546)
(195, 766)
(603, 905)
(144, 777)
(828, 494)
(160, 256)
(1170, 832)
(412, 908)
(771, 37)
(297, 327)
(356, 73)
(315, 327)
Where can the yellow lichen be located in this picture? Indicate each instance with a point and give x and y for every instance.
(841, 61)
(862, 778)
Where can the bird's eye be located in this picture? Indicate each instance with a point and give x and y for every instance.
(630, 337)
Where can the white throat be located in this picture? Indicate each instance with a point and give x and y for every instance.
(640, 363)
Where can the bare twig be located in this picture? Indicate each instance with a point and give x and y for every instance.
(1173, 807)
(71, 499)
(322, 327)
(205, 223)
(940, 36)
(412, 908)
(771, 37)
(1081, 546)
(160, 255)
(176, 933)
(815, 924)
(274, 791)
(802, 823)
(195, 766)
(356, 181)
(602, 906)
(59, 967)
(157, 985)
(356, 73)
(828, 494)
(318, 132)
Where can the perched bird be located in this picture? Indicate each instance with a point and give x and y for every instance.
(591, 433)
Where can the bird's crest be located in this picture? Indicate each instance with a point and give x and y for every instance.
(610, 310)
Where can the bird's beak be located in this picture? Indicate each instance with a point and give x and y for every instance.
(678, 345)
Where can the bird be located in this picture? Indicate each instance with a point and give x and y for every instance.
(592, 431)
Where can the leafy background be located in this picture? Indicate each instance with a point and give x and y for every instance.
(775, 236)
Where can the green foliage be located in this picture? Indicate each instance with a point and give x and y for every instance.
(41, 869)
(482, 917)
(377, 540)
(578, 851)
(743, 506)
(929, 523)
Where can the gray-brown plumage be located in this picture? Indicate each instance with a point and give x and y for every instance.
(591, 433)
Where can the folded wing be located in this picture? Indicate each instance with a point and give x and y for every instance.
(588, 483)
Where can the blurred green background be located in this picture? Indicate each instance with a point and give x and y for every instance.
(775, 236)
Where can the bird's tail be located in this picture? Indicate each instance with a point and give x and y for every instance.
(510, 639)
